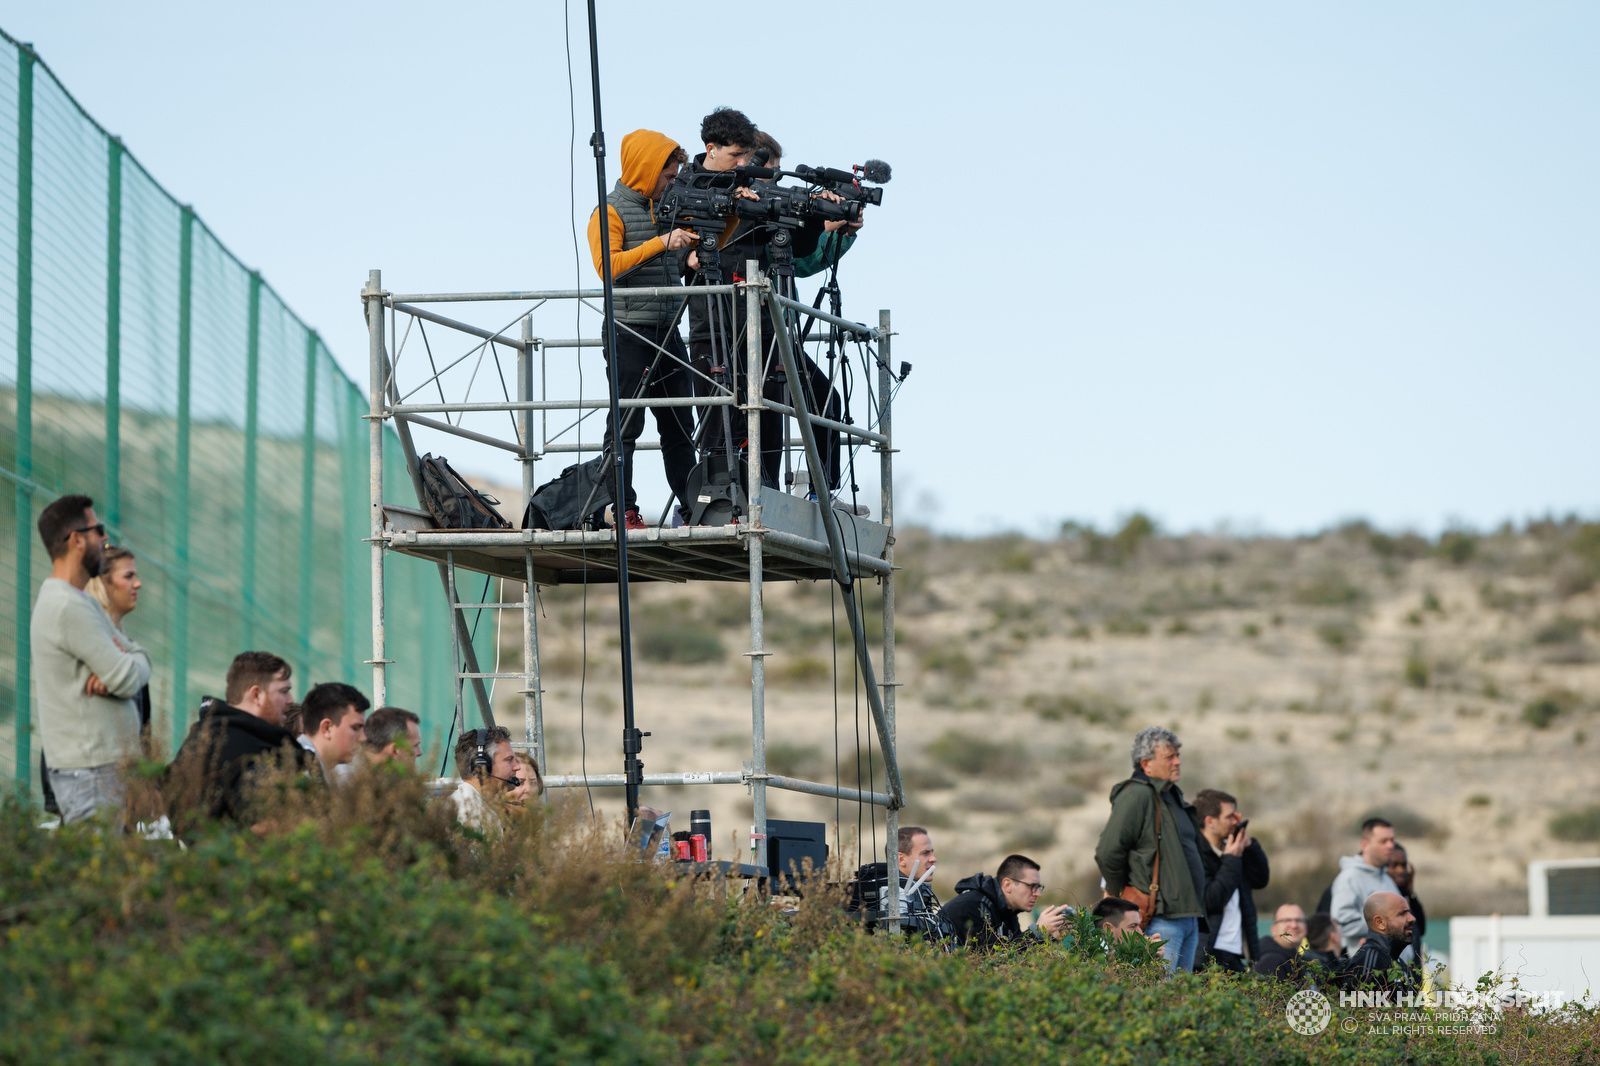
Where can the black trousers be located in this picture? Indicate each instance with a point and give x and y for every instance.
(635, 356)
(1224, 960)
(776, 387)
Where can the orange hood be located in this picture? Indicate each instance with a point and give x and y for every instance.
(644, 153)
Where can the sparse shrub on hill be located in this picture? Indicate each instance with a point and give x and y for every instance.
(1559, 630)
(1339, 634)
(1457, 547)
(1581, 825)
(1093, 707)
(1329, 588)
(950, 661)
(970, 754)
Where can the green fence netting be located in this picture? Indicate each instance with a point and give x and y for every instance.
(142, 364)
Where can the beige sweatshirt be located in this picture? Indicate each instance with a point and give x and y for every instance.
(73, 637)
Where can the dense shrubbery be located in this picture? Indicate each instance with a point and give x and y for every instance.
(370, 928)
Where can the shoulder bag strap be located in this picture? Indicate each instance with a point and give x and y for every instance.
(1155, 870)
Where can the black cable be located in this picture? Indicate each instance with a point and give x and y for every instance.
(833, 634)
(472, 635)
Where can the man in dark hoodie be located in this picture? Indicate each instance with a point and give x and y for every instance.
(231, 740)
(1390, 925)
(1235, 867)
(730, 138)
(985, 912)
(645, 254)
(1132, 841)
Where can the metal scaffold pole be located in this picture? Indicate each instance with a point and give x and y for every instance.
(377, 367)
(758, 652)
(533, 689)
(886, 476)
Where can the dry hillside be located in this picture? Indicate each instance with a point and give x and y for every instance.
(1451, 685)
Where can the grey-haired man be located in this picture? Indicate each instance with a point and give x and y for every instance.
(1128, 846)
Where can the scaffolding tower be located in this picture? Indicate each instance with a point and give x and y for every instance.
(781, 536)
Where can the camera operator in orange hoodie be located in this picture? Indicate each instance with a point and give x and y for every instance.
(647, 254)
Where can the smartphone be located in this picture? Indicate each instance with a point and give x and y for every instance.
(1239, 829)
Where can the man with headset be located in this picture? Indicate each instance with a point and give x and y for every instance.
(488, 767)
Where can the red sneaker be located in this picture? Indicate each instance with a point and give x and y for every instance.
(632, 520)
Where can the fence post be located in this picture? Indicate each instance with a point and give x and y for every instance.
(24, 501)
(113, 493)
(308, 492)
(252, 402)
(180, 621)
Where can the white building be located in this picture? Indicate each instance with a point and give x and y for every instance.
(1555, 947)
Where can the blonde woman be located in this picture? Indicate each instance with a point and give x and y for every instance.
(117, 588)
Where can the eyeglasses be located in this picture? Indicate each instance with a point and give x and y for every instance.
(1290, 921)
(1031, 886)
(98, 527)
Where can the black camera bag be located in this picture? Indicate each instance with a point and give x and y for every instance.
(578, 498)
(452, 502)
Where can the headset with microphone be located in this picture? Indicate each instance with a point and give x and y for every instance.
(483, 762)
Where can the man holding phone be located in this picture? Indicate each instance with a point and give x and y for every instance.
(1235, 866)
(986, 911)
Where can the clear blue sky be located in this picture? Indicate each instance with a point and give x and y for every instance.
(1265, 264)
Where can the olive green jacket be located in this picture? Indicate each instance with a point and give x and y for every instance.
(1127, 849)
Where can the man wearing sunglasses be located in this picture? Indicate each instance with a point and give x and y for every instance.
(85, 673)
(985, 913)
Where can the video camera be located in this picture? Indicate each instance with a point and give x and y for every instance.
(706, 200)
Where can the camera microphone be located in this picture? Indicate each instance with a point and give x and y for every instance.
(875, 170)
(760, 158)
(825, 174)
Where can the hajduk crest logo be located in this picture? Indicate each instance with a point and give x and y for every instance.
(1308, 1012)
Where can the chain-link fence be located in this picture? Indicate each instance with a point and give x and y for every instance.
(142, 364)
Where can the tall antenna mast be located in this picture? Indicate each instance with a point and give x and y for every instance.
(632, 739)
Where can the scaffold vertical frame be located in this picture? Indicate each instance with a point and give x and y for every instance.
(780, 536)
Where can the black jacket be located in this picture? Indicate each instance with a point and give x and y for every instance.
(1369, 967)
(981, 917)
(1284, 963)
(218, 756)
(1224, 873)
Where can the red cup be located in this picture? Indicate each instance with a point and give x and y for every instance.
(697, 848)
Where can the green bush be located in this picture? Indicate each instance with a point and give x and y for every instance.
(1330, 588)
(372, 929)
(1457, 547)
(1581, 825)
(1416, 670)
(1541, 713)
(684, 642)
(1559, 630)
(1092, 707)
(969, 754)
(950, 661)
(1339, 635)
(1127, 625)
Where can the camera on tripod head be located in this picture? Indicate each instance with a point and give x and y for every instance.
(707, 199)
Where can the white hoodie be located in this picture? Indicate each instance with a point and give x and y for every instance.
(1356, 881)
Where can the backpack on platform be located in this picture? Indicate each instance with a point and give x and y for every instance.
(452, 502)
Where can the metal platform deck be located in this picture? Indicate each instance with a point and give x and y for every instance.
(795, 548)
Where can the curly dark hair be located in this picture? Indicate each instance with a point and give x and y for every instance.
(725, 127)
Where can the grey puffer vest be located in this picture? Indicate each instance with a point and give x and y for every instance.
(639, 226)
